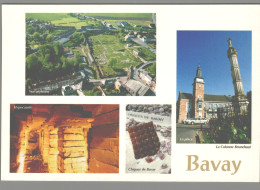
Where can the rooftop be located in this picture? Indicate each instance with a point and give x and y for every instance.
(137, 87)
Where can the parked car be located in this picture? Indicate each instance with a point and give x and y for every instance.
(196, 121)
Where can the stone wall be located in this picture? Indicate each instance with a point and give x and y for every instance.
(182, 110)
(104, 143)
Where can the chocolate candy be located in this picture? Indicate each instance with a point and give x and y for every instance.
(144, 139)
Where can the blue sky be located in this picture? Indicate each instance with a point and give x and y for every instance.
(209, 50)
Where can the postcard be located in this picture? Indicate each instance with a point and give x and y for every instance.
(165, 93)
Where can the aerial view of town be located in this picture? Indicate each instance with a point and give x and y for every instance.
(91, 54)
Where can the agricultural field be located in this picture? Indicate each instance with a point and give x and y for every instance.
(72, 21)
(47, 16)
(132, 22)
(63, 19)
(110, 54)
(121, 15)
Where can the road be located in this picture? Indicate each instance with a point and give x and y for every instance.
(140, 42)
(99, 80)
(136, 70)
(187, 133)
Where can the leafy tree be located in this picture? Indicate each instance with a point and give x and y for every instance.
(33, 66)
(37, 36)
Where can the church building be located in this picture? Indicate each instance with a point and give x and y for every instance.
(201, 105)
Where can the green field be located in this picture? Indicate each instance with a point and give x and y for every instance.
(47, 16)
(72, 21)
(107, 49)
(132, 22)
(122, 15)
(151, 69)
(63, 19)
(144, 53)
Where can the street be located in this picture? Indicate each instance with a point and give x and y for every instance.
(187, 133)
(140, 42)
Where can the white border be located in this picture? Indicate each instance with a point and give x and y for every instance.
(170, 18)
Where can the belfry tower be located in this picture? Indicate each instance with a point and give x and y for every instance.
(198, 95)
(240, 100)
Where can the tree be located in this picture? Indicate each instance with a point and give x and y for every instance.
(37, 36)
(28, 85)
(49, 37)
(33, 66)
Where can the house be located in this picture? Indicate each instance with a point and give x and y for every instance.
(136, 88)
(148, 39)
(131, 34)
(118, 84)
(144, 75)
(136, 52)
(151, 26)
(125, 24)
(127, 38)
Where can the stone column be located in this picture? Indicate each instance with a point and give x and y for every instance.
(72, 149)
(53, 150)
(240, 101)
(23, 142)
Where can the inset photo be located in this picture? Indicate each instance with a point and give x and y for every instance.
(64, 138)
(148, 138)
(91, 54)
(214, 76)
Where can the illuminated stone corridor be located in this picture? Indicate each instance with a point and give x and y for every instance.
(64, 138)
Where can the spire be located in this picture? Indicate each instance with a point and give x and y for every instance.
(198, 73)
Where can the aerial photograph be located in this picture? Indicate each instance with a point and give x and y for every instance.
(91, 54)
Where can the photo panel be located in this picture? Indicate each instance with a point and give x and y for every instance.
(91, 54)
(148, 138)
(64, 138)
(214, 87)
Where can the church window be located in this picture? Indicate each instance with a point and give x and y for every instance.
(210, 106)
(215, 106)
(224, 105)
(219, 105)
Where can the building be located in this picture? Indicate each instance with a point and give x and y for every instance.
(144, 75)
(136, 88)
(200, 105)
(136, 52)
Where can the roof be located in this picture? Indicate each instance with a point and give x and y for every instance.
(220, 98)
(208, 97)
(186, 95)
(136, 86)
